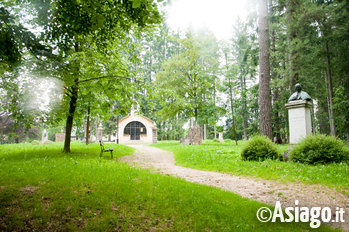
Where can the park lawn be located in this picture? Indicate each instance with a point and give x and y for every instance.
(225, 157)
(44, 189)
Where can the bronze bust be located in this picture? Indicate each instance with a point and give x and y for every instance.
(299, 94)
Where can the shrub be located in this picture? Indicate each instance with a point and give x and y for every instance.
(320, 149)
(48, 142)
(215, 140)
(228, 141)
(35, 142)
(260, 148)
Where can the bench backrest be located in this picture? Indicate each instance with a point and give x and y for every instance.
(101, 144)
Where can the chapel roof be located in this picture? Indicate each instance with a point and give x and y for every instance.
(135, 117)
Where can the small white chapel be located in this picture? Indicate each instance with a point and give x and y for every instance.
(135, 128)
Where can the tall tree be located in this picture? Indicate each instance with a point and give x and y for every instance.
(245, 53)
(187, 80)
(80, 28)
(229, 85)
(264, 70)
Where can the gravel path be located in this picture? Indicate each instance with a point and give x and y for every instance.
(258, 189)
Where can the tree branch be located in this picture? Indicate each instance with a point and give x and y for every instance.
(103, 77)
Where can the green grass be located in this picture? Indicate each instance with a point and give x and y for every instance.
(225, 157)
(43, 189)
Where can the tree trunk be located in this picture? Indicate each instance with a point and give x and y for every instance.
(291, 6)
(205, 132)
(233, 118)
(275, 91)
(215, 131)
(72, 106)
(196, 115)
(231, 102)
(264, 71)
(69, 123)
(88, 123)
(277, 117)
(244, 104)
(160, 131)
(330, 92)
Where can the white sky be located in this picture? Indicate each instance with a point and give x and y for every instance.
(216, 15)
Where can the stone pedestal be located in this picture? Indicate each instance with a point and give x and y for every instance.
(99, 134)
(220, 137)
(299, 119)
(155, 134)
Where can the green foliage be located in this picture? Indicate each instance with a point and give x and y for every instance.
(260, 148)
(215, 140)
(93, 43)
(225, 157)
(188, 79)
(320, 149)
(33, 134)
(53, 131)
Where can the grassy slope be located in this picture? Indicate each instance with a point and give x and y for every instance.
(226, 158)
(44, 189)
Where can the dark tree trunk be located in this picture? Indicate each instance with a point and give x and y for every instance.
(264, 71)
(277, 117)
(275, 91)
(88, 124)
(291, 6)
(70, 118)
(244, 105)
(233, 118)
(330, 91)
(72, 107)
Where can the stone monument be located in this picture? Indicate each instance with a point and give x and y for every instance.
(193, 137)
(220, 137)
(155, 134)
(60, 137)
(99, 133)
(44, 136)
(299, 115)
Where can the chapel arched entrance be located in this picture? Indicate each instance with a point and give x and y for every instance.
(135, 130)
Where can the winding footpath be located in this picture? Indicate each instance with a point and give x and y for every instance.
(265, 191)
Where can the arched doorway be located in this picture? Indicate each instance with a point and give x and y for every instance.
(135, 129)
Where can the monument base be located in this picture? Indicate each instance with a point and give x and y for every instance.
(299, 119)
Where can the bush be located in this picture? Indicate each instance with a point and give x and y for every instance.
(48, 142)
(260, 148)
(35, 142)
(215, 140)
(228, 141)
(320, 149)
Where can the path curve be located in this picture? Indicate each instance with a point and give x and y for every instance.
(261, 190)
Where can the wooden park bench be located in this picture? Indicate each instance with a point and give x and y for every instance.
(105, 150)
